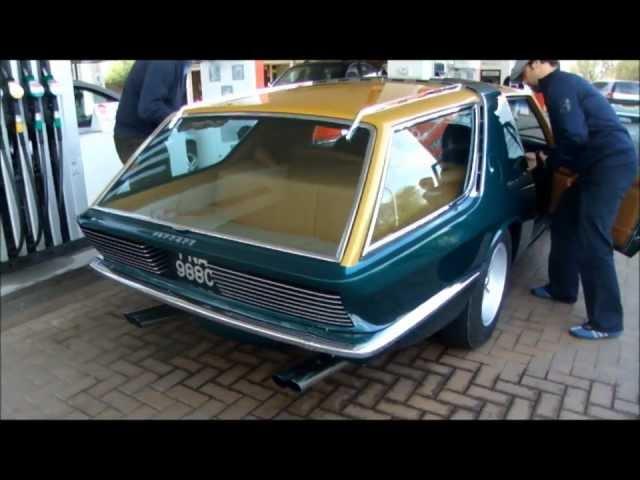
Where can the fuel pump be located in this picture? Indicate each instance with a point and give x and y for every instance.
(12, 223)
(18, 165)
(42, 184)
(53, 122)
(41, 160)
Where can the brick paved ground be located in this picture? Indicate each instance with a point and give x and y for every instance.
(72, 355)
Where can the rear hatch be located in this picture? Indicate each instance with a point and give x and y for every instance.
(256, 209)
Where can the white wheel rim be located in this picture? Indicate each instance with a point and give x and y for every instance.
(494, 284)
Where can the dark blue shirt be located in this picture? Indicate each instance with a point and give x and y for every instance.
(586, 129)
(153, 90)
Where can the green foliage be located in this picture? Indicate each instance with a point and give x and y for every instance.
(593, 70)
(118, 75)
(628, 70)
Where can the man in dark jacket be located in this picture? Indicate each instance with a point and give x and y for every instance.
(153, 91)
(590, 141)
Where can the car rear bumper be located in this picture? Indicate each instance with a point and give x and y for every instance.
(366, 347)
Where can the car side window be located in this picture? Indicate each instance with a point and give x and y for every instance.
(427, 169)
(526, 121)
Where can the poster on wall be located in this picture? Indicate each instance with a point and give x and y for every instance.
(237, 72)
(226, 90)
(214, 72)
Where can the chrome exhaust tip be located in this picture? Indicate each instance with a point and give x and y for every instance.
(308, 372)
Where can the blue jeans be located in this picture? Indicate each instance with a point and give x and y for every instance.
(582, 245)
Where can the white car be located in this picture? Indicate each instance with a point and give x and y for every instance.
(623, 95)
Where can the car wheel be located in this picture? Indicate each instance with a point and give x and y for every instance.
(478, 320)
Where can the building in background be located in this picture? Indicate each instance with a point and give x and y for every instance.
(220, 78)
(492, 71)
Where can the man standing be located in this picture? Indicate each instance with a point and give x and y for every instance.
(153, 91)
(590, 141)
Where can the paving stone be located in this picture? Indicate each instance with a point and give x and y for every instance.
(371, 394)
(239, 409)
(136, 384)
(544, 385)
(223, 394)
(398, 410)
(430, 405)
(601, 395)
(121, 402)
(273, 406)
(207, 411)
(187, 396)
(520, 409)
(87, 404)
(402, 390)
(548, 405)
(362, 413)
(575, 400)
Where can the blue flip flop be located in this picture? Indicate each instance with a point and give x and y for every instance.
(587, 332)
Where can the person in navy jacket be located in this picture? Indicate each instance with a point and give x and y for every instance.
(591, 141)
(153, 90)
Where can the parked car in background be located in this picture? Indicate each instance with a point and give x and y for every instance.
(327, 70)
(623, 95)
(343, 218)
(96, 109)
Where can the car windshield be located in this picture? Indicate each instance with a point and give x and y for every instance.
(285, 182)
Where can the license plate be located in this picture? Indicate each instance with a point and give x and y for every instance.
(194, 269)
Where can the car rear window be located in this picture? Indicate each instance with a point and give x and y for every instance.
(289, 183)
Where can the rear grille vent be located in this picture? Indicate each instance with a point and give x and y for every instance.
(128, 252)
(279, 297)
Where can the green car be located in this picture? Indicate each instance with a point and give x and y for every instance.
(343, 217)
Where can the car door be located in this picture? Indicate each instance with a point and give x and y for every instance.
(535, 135)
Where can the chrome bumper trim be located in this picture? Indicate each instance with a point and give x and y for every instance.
(375, 344)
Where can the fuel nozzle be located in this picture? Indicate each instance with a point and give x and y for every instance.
(35, 88)
(14, 89)
(53, 86)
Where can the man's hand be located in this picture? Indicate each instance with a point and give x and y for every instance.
(531, 159)
(536, 159)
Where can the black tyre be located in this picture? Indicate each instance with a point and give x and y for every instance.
(478, 320)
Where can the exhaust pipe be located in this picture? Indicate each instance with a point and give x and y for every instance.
(151, 316)
(311, 370)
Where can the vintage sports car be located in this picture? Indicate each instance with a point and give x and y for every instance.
(341, 217)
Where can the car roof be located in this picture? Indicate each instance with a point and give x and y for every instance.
(342, 99)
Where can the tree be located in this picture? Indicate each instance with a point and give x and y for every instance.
(118, 75)
(593, 70)
(628, 70)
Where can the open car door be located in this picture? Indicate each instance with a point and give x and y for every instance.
(535, 132)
